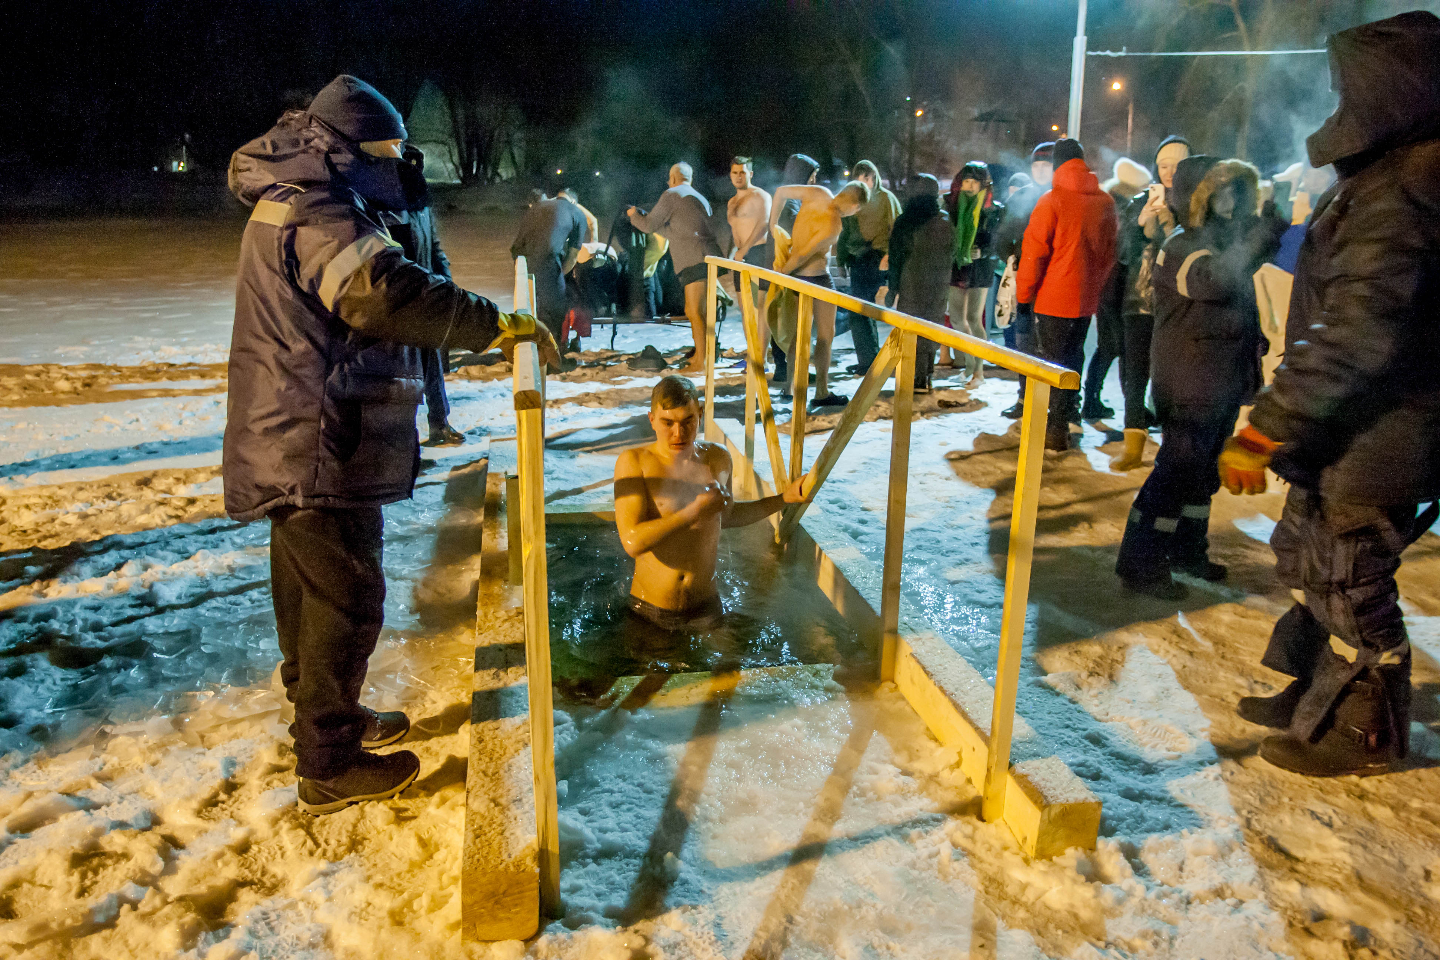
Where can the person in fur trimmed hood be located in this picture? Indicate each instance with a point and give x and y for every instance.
(1205, 360)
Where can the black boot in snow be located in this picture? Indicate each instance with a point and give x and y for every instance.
(383, 729)
(1143, 564)
(1204, 568)
(1275, 711)
(1360, 738)
(1095, 409)
(373, 777)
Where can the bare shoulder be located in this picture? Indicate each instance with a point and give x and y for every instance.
(717, 458)
(629, 464)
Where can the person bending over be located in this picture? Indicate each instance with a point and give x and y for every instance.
(671, 499)
(817, 227)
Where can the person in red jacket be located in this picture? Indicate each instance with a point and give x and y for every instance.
(1066, 256)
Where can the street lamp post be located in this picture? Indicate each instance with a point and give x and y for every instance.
(1077, 76)
(1129, 118)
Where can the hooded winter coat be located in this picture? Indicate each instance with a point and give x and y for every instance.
(324, 377)
(1069, 246)
(1207, 345)
(1137, 251)
(980, 271)
(921, 246)
(1356, 402)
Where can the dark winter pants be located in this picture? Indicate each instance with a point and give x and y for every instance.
(550, 297)
(1021, 336)
(865, 281)
(329, 595)
(437, 405)
(1062, 341)
(1135, 368)
(1170, 520)
(1110, 336)
(1344, 557)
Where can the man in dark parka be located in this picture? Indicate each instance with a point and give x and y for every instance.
(325, 375)
(1352, 419)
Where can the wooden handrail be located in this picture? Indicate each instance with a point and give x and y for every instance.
(1023, 364)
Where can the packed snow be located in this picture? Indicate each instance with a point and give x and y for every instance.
(147, 792)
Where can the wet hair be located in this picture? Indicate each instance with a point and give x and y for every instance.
(866, 167)
(673, 391)
(745, 162)
(799, 169)
(857, 187)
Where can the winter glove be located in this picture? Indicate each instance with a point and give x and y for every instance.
(1244, 459)
(518, 327)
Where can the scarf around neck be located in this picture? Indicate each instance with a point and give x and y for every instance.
(967, 225)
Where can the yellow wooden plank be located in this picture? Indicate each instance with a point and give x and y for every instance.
(903, 406)
(800, 386)
(1023, 364)
(712, 278)
(755, 366)
(1017, 593)
(854, 415)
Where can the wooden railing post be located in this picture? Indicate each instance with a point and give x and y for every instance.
(1017, 595)
(712, 283)
(755, 367)
(903, 405)
(800, 377)
(530, 443)
(752, 382)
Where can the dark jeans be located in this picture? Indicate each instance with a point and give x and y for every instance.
(1135, 368)
(1170, 520)
(329, 594)
(865, 282)
(1062, 342)
(1344, 557)
(437, 405)
(551, 299)
(1110, 336)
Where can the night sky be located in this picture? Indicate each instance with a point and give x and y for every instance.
(110, 86)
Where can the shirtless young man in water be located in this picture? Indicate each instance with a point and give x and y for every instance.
(671, 499)
(817, 227)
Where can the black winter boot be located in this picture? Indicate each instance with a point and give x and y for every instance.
(1095, 409)
(1144, 561)
(1190, 546)
(1363, 735)
(374, 776)
(1276, 711)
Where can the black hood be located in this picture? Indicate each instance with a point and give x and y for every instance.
(1388, 76)
(302, 149)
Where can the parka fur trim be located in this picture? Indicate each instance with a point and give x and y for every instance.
(1246, 177)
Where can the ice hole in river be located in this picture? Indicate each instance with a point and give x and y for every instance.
(775, 615)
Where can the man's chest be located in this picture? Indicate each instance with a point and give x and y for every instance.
(677, 487)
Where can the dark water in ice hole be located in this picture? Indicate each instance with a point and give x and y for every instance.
(774, 613)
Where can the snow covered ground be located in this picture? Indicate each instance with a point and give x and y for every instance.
(147, 789)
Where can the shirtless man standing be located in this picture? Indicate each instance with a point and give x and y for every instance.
(817, 227)
(749, 216)
(671, 499)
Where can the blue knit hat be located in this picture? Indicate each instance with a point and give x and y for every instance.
(357, 111)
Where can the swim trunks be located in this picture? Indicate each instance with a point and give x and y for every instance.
(695, 273)
(702, 616)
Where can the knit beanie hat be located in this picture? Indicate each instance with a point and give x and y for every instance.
(357, 111)
(1177, 146)
(920, 185)
(1019, 181)
(1131, 175)
(1043, 152)
(1067, 150)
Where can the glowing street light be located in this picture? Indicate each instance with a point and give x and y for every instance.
(919, 113)
(1129, 118)
(1055, 127)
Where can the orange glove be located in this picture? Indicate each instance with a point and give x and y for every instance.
(1244, 459)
